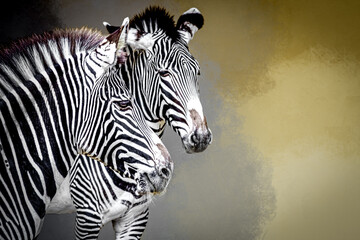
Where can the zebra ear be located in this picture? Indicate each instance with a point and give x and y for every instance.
(113, 38)
(107, 52)
(118, 35)
(134, 37)
(110, 28)
(189, 23)
(122, 53)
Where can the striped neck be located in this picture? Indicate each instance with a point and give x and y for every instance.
(131, 75)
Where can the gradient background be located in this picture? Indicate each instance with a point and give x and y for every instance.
(280, 87)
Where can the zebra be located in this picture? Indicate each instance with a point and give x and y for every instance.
(164, 78)
(163, 81)
(101, 194)
(57, 102)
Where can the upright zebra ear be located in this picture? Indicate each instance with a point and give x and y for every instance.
(118, 35)
(103, 56)
(107, 52)
(122, 53)
(189, 23)
(135, 38)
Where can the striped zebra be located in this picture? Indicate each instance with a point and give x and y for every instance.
(164, 82)
(101, 194)
(164, 78)
(57, 101)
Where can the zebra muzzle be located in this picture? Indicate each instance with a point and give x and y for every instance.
(197, 141)
(154, 182)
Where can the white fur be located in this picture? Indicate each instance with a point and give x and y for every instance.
(192, 10)
(123, 35)
(195, 104)
(117, 209)
(62, 202)
(145, 42)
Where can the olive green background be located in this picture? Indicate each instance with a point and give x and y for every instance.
(280, 87)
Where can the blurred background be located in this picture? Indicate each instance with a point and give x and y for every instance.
(280, 87)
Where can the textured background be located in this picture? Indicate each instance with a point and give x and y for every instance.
(281, 90)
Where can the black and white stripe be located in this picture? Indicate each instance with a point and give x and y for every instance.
(120, 193)
(164, 78)
(107, 196)
(56, 101)
(164, 82)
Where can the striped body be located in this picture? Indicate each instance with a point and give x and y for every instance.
(101, 194)
(39, 113)
(56, 100)
(164, 82)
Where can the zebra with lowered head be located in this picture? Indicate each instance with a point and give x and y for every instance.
(57, 101)
(101, 194)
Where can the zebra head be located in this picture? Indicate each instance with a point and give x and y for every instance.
(164, 76)
(113, 129)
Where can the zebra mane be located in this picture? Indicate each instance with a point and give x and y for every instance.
(69, 41)
(154, 18)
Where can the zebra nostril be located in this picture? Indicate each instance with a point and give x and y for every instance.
(209, 137)
(194, 139)
(165, 172)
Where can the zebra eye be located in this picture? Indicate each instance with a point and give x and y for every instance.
(164, 73)
(124, 104)
(199, 73)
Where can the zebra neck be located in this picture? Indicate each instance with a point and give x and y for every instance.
(133, 78)
(46, 89)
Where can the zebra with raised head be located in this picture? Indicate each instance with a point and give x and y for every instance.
(56, 101)
(164, 78)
